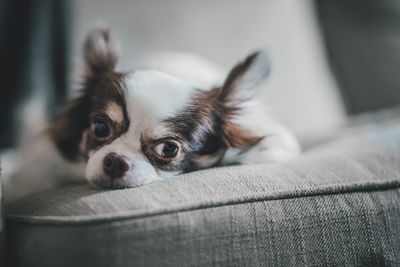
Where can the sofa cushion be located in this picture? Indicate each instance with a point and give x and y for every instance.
(338, 204)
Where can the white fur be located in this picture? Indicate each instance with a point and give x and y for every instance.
(156, 92)
(141, 173)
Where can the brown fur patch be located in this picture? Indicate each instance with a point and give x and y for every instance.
(234, 135)
(239, 137)
(105, 90)
(114, 111)
(68, 126)
(206, 129)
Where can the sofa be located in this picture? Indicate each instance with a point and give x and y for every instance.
(338, 204)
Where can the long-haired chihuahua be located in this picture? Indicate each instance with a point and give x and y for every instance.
(127, 129)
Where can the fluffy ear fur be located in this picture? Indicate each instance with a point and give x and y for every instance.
(239, 87)
(100, 51)
(244, 78)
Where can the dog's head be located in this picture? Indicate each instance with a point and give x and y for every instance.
(137, 127)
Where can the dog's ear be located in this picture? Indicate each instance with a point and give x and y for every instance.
(67, 128)
(240, 86)
(244, 78)
(100, 51)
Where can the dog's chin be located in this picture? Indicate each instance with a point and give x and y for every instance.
(107, 183)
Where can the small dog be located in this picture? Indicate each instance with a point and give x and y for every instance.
(130, 129)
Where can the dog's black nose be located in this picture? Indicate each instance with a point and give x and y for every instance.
(115, 166)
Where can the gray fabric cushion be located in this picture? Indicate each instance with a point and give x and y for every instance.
(337, 205)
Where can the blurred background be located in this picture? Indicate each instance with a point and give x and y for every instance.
(330, 58)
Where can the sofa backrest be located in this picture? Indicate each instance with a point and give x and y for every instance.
(300, 86)
(362, 39)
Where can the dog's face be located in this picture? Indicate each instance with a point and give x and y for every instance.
(137, 127)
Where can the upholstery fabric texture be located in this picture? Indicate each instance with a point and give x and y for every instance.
(336, 205)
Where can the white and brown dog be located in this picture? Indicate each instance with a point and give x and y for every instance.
(133, 128)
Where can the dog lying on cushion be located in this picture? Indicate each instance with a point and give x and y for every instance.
(127, 129)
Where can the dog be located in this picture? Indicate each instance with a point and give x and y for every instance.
(128, 129)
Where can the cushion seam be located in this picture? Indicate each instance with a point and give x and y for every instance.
(279, 195)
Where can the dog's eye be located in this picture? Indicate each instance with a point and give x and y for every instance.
(101, 129)
(168, 149)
